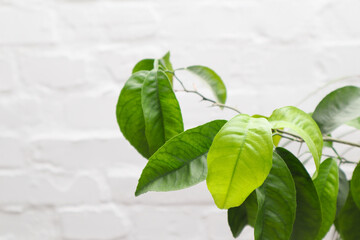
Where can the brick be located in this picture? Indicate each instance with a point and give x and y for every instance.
(92, 224)
(91, 112)
(45, 189)
(87, 153)
(29, 225)
(52, 71)
(20, 26)
(13, 152)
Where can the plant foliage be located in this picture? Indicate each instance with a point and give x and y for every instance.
(260, 184)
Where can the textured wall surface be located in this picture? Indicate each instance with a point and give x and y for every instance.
(65, 170)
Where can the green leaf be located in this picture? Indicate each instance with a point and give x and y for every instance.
(337, 108)
(354, 123)
(343, 192)
(355, 185)
(308, 210)
(144, 65)
(129, 113)
(162, 112)
(277, 203)
(237, 219)
(211, 78)
(239, 160)
(303, 125)
(327, 187)
(348, 221)
(181, 161)
(245, 214)
(165, 63)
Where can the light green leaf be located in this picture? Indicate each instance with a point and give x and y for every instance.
(355, 185)
(211, 78)
(327, 187)
(348, 221)
(245, 214)
(237, 219)
(162, 112)
(181, 161)
(342, 193)
(354, 123)
(308, 210)
(277, 203)
(129, 113)
(239, 160)
(144, 65)
(301, 123)
(166, 64)
(337, 108)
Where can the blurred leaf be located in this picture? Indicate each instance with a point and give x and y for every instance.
(337, 108)
(239, 160)
(342, 193)
(161, 109)
(355, 185)
(348, 221)
(327, 187)
(308, 210)
(211, 78)
(354, 123)
(144, 65)
(303, 125)
(277, 203)
(129, 113)
(181, 161)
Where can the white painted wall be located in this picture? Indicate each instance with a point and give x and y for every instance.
(65, 170)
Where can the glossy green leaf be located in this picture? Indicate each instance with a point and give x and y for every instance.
(162, 114)
(245, 214)
(277, 203)
(308, 209)
(181, 161)
(327, 187)
(166, 64)
(354, 123)
(239, 160)
(348, 221)
(355, 185)
(343, 192)
(337, 108)
(211, 78)
(144, 65)
(237, 219)
(301, 123)
(129, 113)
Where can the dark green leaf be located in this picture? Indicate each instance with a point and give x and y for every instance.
(277, 203)
(211, 78)
(237, 219)
(348, 221)
(337, 108)
(245, 214)
(343, 192)
(144, 65)
(327, 187)
(303, 125)
(162, 112)
(355, 185)
(308, 210)
(239, 160)
(181, 161)
(129, 113)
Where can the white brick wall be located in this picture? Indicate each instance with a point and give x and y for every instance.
(65, 170)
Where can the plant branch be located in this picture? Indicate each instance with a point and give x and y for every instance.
(282, 132)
